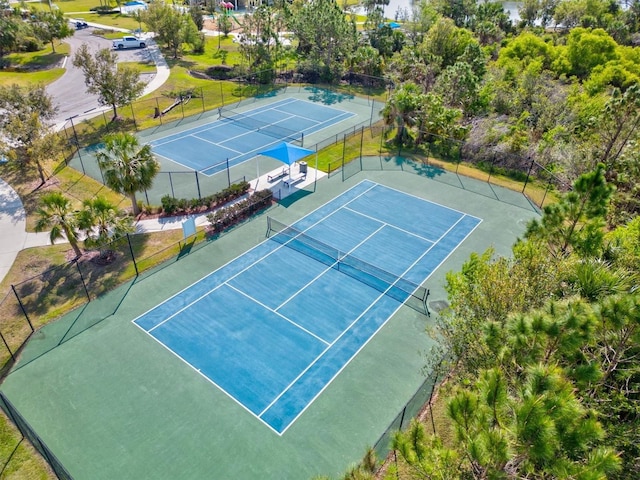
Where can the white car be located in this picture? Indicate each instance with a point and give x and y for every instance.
(129, 42)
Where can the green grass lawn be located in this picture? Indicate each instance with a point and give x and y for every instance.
(25, 79)
(140, 67)
(18, 459)
(29, 68)
(113, 20)
(228, 50)
(41, 59)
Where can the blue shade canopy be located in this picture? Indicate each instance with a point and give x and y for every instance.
(287, 153)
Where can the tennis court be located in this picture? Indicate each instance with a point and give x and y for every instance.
(275, 326)
(237, 137)
(112, 402)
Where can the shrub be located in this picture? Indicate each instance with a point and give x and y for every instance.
(169, 204)
(233, 214)
(30, 44)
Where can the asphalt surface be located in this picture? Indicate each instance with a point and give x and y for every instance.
(70, 91)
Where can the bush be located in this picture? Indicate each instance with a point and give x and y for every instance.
(225, 217)
(221, 72)
(30, 44)
(171, 205)
(103, 9)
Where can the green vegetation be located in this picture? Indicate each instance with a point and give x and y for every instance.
(114, 20)
(546, 342)
(42, 59)
(18, 458)
(23, 79)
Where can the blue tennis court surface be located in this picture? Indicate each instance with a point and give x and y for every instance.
(207, 148)
(273, 327)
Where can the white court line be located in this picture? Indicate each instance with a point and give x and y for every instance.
(269, 253)
(329, 345)
(329, 267)
(377, 330)
(346, 207)
(251, 249)
(218, 144)
(217, 123)
(429, 201)
(277, 313)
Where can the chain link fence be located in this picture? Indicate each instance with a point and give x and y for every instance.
(30, 434)
(420, 399)
(371, 149)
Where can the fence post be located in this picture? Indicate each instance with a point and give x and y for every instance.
(491, 168)
(404, 411)
(198, 185)
(77, 143)
(228, 173)
(24, 311)
(545, 194)
(7, 345)
(202, 97)
(361, 140)
(135, 265)
(433, 387)
(373, 103)
(526, 180)
(133, 115)
(344, 146)
(173, 194)
(158, 109)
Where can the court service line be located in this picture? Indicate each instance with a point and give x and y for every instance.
(199, 372)
(355, 354)
(259, 259)
(430, 201)
(255, 300)
(342, 114)
(217, 123)
(330, 267)
(218, 144)
(329, 345)
(288, 387)
(395, 227)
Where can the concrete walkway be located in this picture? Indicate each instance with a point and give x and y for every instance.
(13, 235)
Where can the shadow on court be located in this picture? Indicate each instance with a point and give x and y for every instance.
(73, 324)
(328, 97)
(294, 197)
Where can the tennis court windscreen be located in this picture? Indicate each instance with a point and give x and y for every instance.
(396, 287)
(271, 129)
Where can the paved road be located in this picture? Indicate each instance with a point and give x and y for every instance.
(70, 91)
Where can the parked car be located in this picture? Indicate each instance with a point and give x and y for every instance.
(81, 25)
(129, 42)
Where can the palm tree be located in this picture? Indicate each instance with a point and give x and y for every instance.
(103, 223)
(403, 109)
(127, 167)
(56, 213)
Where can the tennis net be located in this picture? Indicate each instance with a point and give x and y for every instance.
(273, 130)
(396, 287)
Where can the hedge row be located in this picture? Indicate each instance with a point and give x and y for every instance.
(183, 206)
(225, 217)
